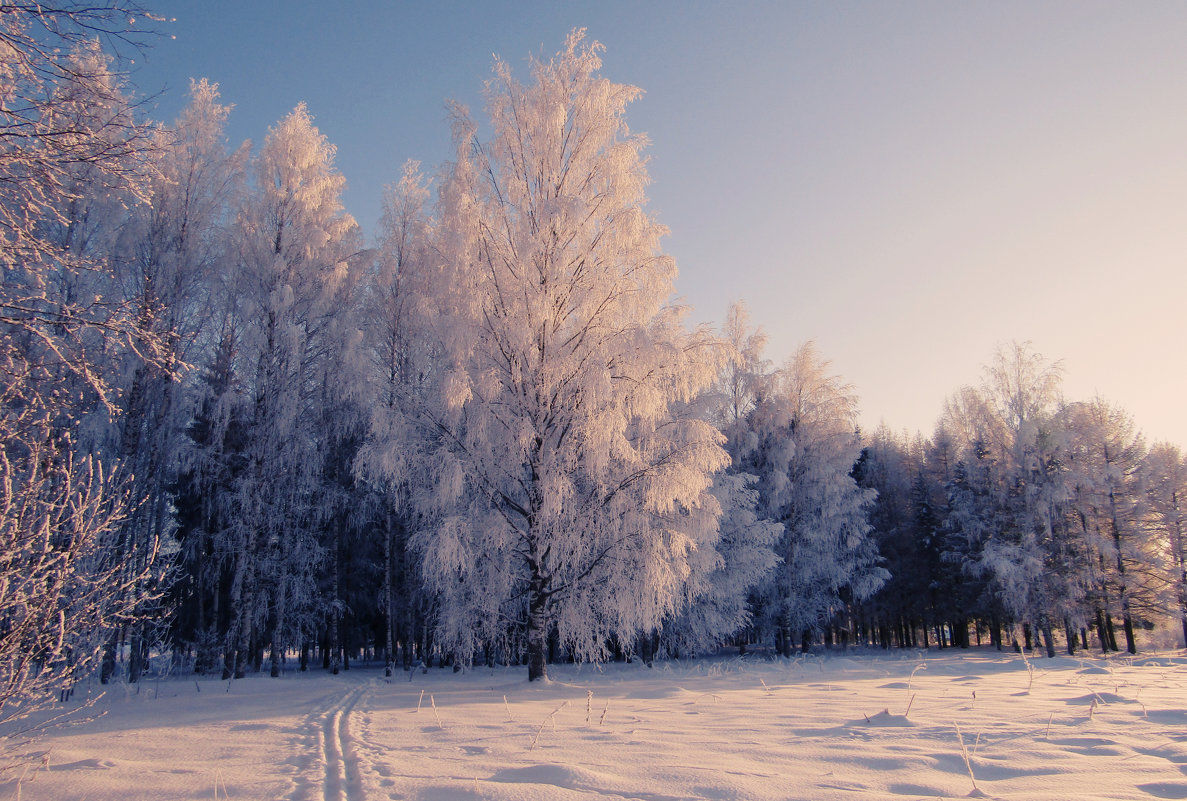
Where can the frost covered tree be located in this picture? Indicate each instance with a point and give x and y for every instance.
(69, 139)
(397, 306)
(1010, 511)
(568, 490)
(801, 442)
(1106, 456)
(294, 281)
(1165, 481)
(172, 250)
(72, 153)
(717, 592)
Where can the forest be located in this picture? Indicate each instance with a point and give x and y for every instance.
(238, 437)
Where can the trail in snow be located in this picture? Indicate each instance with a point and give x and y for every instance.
(343, 776)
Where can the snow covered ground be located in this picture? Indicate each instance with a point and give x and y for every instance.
(834, 726)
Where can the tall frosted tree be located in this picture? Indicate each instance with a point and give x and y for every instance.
(397, 293)
(172, 250)
(568, 485)
(801, 441)
(1124, 569)
(1009, 498)
(294, 281)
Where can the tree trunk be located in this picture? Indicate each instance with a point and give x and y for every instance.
(537, 639)
(107, 667)
(388, 603)
(335, 643)
(1048, 639)
(137, 653)
(1131, 644)
(646, 648)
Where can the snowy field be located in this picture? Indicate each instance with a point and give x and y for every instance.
(870, 725)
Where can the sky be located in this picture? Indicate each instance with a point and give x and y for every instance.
(908, 184)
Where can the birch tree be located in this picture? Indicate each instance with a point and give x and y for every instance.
(1012, 512)
(294, 281)
(396, 302)
(567, 488)
(1107, 456)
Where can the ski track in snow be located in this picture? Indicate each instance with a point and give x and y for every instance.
(343, 779)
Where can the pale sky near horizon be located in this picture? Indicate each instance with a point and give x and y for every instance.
(909, 184)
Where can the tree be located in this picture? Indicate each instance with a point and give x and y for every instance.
(1165, 480)
(173, 249)
(1009, 504)
(1107, 454)
(66, 127)
(69, 141)
(568, 487)
(296, 273)
(904, 531)
(803, 447)
(716, 594)
(401, 359)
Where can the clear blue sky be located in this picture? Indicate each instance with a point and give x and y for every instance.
(907, 183)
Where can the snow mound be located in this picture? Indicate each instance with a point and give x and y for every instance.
(1100, 698)
(1165, 789)
(882, 719)
(564, 776)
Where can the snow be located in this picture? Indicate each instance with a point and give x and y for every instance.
(828, 726)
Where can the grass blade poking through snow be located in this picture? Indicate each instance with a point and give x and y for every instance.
(544, 723)
(1030, 671)
(964, 752)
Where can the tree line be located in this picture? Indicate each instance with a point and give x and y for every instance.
(239, 438)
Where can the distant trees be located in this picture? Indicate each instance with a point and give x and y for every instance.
(1032, 511)
(1164, 473)
(793, 432)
